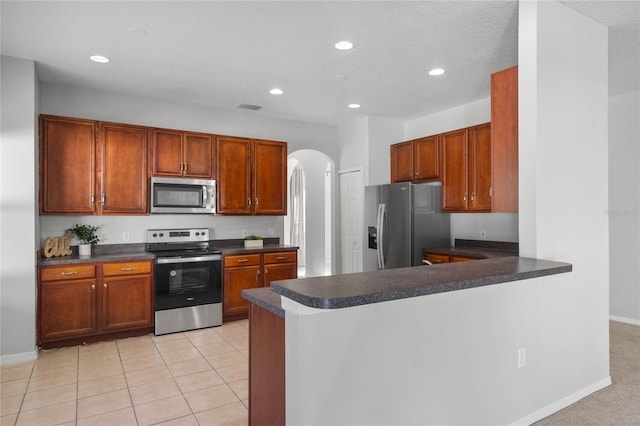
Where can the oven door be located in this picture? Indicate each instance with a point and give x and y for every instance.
(187, 281)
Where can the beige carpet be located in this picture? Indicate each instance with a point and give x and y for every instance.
(618, 404)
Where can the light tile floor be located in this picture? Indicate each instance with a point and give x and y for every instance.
(198, 377)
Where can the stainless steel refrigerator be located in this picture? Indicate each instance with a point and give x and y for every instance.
(400, 220)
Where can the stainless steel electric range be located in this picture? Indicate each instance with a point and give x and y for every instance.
(188, 279)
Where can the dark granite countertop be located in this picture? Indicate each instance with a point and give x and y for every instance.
(137, 251)
(347, 290)
(266, 298)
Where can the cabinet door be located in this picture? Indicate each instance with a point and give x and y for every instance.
(480, 168)
(454, 170)
(504, 140)
(402, 162)
(426, 162)
(67, 309)
(234, 175)
(67, 162)
(123, 174)
(270, 177)
(198, 156)
(279, 271)
(127, 302)
(236, 280)
(166, 153)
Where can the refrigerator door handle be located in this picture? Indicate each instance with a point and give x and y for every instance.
(382, 211)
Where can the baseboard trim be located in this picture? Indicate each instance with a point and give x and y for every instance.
(18, 358)
(563, 403)
(625, 320)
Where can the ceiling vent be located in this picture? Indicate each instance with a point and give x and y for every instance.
(248, 106)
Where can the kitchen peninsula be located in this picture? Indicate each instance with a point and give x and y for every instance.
(388, 347)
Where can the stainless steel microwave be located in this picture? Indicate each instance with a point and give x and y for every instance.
(189, 196)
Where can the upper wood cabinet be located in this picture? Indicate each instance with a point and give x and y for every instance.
(504, 140)
(67, 162)
(416, 160)
(182, 154)
(466, 169)
(123, 153)
(251, 176)
(89, 167)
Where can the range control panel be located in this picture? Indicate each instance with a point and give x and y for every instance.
(177, 235)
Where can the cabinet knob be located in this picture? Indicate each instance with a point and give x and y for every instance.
(104, 285)
(93, 286)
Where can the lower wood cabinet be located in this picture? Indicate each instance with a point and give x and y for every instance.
(91, 300)
(436, 258)
(241, 272)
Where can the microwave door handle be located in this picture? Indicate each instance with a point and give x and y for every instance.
(204, 194)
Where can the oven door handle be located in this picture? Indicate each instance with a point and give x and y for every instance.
(164, 260)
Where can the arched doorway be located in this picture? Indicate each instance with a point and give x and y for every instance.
(310, 218)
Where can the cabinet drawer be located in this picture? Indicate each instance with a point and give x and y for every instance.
(461, 258)
(281, 257)
(242, 260)
(126, 268)
(70, 272)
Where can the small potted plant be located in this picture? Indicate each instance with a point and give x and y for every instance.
(253, 241)
(87, 236)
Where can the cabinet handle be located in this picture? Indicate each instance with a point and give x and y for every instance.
(128, 269)
(256, 201)
(249, 202)
(242, 260)
(93, 198)
(280, 258)
(103, 199)
(68, 273)
(465, 197)
(491, 191)
(257, 276)
(93, 286)
(186, 167)
(473, 196)
(104, 285)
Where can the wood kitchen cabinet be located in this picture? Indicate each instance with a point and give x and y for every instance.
(436, 258)
(241, 272)
(88, 302)
(466, 169)
(127, 295)
(416, 160)
(182, 154)
(252, 176)
(67, 300)
(504, 140)
(89, 167)
(122, 151)
(67, 163)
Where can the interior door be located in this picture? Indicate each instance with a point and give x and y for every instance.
(351, 220)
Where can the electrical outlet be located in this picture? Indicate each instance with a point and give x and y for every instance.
(483, 233)
(522, 357)
(126, 236)
(244, 233)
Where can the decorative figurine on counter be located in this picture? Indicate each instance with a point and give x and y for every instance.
(57, 246)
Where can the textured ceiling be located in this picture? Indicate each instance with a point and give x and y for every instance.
(226, 53)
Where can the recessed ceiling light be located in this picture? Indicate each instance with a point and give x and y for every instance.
(344, 45)
(276, 91)
(100, 59)
(436, 71)
(354, 106)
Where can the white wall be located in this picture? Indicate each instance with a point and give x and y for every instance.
(18, 213)
(452, 358)
(92, 104)
(382, 133)
(624, 206)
